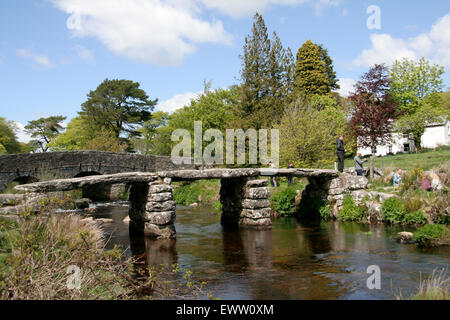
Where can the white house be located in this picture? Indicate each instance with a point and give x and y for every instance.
(435, 135)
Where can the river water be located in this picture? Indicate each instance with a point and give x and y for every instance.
(326, 260)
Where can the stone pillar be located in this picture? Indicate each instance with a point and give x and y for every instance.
(245, 203)
(160, 211)
(152, 209)
(256, 211)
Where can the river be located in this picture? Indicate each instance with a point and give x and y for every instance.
(326, 260)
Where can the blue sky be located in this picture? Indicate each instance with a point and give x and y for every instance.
(53, 52)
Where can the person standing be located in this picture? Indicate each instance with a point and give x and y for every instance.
(289, 179)
(340, 151)
(273, 178)
(359, 165)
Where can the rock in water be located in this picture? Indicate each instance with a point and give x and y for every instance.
(405, 237)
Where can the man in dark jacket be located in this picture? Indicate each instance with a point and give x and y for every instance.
(340, 151)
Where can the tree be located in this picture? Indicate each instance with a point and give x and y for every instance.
(266, 78)
(44, 130)
(329, 69)
(308, 134)
(214, 108)
(83, 134)
(119, 106)
(374, 110)
(314, 73)
(146, 143)
(414, 85)
(8, 139)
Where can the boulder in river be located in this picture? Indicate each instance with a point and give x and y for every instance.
(405, 237)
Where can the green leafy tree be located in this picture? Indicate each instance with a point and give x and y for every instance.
(314, 73)
(329, 69)
(44, 130)
(415, 85)
(308, 134)
(214, 108)
(145, 144)
(82, 134)
(413, 81)
(8, 139)
(119, 106)
(266, 78)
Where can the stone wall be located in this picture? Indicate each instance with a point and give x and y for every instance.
(72, 163)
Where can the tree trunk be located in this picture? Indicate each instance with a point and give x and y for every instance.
(372, 157)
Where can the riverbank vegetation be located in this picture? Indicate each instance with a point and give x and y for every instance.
(42, 256)
(204, 192)
(435, 287)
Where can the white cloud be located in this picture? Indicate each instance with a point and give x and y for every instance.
(38, 59)
(239, 8)
(346, 85)
(177, 102)
(385, 49)
(84, 53)
(245, 8)
(433, 45)
(162, 32)
(153, 31)
(22, 136)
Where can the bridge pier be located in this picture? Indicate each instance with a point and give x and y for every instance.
(245, 203)
(152, 209)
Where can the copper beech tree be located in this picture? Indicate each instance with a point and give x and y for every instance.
(374, 110)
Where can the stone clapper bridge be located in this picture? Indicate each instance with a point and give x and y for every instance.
(244, 195)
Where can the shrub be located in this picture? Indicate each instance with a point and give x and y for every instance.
(204, 192)
(412, 204)
(324, 210)
(417, 217)
(350, 211)
(411, 180)
(217, 206)
(283, 201)
(431, 235)
(393, 210)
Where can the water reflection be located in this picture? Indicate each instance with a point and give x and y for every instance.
(292, 261)
(153, 252)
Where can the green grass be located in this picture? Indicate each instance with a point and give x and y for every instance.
(424, 160)
(204, 192)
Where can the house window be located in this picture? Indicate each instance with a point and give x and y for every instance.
(406, 147)
(390, 149)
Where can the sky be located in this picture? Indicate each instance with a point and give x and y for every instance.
(53, 52)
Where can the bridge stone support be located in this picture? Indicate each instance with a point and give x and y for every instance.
(333, 190)
(152, 209)
(245, 203)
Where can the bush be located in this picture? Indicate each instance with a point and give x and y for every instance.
(393, 210)
(217, 206)
(431, 235)
(350, 211)
(283, 201)
(411, 180)
(417, 217)
(203, 192)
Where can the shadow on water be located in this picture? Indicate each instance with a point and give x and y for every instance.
(294, 260)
